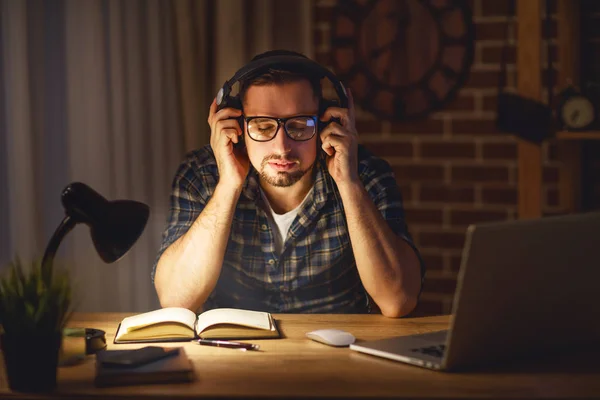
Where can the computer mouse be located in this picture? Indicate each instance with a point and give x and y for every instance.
(332, 337)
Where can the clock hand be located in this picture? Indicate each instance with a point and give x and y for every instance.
(380, 50)
(402, 20)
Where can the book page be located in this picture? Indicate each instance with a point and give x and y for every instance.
(253, 319)
(169, 314)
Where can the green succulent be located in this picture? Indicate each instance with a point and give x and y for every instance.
(32, 302)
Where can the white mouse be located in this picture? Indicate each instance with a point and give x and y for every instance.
(332, 337)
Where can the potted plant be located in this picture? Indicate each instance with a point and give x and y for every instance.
(34, 309)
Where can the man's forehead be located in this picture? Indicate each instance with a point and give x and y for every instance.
(280, 99)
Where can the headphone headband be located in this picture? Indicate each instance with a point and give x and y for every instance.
(312, 67)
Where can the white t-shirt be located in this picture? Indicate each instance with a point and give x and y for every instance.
(280, 223)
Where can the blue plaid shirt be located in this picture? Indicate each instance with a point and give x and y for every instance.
(316, 272)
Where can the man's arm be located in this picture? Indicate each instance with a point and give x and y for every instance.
(188, 270)
(389, 268)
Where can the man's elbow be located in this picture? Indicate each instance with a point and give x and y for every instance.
(164, 298)
(167, 300)
(172, 302)
(167, 297)
(399, 308)
(159, 287)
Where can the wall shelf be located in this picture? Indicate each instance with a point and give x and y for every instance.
(583, 135)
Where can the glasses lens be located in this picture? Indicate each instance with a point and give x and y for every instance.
(301, 128)
(262, 129)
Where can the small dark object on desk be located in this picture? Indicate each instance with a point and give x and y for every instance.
(95, 340)
(172, 366)
(135, 357)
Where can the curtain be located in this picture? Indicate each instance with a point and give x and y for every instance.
(89, 92)
(244, 28)
(113, 93)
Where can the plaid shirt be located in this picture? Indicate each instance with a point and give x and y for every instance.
(316, 272)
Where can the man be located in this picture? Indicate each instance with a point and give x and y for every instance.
(298, 220)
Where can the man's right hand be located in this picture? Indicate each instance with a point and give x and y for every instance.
(233, 163)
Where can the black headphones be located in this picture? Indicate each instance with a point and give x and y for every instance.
(282, 59)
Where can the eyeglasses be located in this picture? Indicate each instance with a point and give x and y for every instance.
(299, 128)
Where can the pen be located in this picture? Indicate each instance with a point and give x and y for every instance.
(228, 344)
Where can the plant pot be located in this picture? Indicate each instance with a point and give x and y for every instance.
(31, 360)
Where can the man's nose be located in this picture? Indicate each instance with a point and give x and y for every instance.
(282, 143)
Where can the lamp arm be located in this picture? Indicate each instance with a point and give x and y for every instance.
(67, 224)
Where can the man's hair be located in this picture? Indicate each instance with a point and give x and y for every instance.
(278, 75)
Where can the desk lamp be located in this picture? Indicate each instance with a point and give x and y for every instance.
(115, 226)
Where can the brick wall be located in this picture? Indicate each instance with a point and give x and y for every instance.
(454, 168)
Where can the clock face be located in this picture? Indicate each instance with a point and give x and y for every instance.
(402, 59)
(577, 112)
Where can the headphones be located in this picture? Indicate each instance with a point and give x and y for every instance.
(285, 60)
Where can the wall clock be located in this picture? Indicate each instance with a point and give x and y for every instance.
(402, 59)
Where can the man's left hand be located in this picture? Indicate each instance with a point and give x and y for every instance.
(340, 142)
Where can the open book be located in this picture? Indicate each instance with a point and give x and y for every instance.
(180, 324)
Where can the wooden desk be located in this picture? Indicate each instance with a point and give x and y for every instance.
(298, 367)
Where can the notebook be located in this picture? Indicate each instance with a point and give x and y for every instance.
(171, 369)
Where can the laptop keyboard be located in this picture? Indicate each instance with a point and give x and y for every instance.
(435, 350)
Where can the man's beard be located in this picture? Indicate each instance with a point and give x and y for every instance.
(281, 179)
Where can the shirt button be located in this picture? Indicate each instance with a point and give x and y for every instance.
(271, 261)
(263, 227)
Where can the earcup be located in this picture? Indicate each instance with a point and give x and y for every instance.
(234, 102)
(241, 143)
(324, 104)
(230, 101)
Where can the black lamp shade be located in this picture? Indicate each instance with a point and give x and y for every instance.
(124, 225)
(115, 226)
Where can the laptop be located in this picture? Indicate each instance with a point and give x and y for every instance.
(525, 288)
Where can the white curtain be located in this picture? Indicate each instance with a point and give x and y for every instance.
(112, 93)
